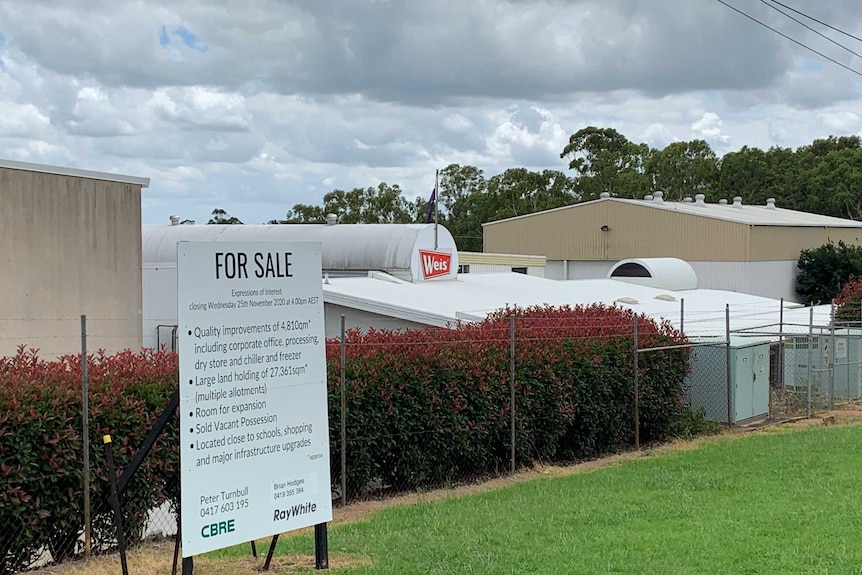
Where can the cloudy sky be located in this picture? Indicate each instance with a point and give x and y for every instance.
(253, 106)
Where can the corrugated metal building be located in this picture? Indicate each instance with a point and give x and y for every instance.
(71, 246)
(731, 246)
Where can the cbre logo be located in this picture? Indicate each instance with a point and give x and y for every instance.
(434, 264)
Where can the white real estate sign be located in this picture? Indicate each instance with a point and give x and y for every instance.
(254, 421)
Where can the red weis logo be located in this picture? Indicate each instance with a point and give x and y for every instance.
(434, 264)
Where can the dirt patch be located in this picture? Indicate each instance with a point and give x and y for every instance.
(158, 561)
(157, 558)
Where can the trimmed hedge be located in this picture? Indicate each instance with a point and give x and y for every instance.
(428, 407)
(423, 408)
(41, 478)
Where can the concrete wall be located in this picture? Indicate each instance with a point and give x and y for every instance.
(577, 270)
(71, 246)
(776, 279)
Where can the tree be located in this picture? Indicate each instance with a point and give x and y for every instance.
(219, 216)
(823, 146)
(837, 179)
(683, 169)
(384, 204)
(302, 214)
(745, 173)
(823, 271)
(518, 191)
(606, 161)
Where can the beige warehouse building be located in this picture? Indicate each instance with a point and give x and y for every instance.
(744, 248)
(71, 245)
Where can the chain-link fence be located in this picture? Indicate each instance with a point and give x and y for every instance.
(817, 365)
(412, 413)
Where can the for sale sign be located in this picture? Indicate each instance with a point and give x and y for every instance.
(255, 431)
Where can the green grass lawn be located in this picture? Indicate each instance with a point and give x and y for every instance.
(777, 503)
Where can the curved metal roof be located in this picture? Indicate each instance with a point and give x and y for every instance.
(344, 246)
(664, 273)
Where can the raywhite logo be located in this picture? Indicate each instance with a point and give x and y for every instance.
(435, 264)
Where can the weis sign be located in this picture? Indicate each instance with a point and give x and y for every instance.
(435, 264)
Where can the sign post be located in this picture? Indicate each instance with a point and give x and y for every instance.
(253, 396)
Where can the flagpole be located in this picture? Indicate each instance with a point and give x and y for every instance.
(436, 204)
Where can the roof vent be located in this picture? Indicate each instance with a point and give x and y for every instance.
(657, 197)
(604, 195)
(331, 219)
(665, 297)
(627, 300)
(175, 220)
(687, 200)
(770, 203)
(722, 201)
(699, 200)
(737, 202)
(648, 197)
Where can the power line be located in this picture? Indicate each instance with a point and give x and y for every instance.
(795, 41)
(801, 23)
(831, 27)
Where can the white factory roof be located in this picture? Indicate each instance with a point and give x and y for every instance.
(733, 211)
(472, 296)
(74, 172)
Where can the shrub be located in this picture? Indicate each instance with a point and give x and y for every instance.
(848, 310)
(823, 271)
(423, 408)
(41, 480)
(426, 407)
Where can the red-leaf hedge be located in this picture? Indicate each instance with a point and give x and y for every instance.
(427, 407)
(41, 477)
(423, 408)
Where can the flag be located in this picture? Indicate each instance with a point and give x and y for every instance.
(431, 205)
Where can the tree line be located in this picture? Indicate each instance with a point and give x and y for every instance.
(823, 177)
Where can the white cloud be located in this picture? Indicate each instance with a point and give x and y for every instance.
(256, 107)
(23, 121)
(709, 128)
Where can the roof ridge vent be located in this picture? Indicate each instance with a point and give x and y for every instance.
(770, 203)
(737, 201)
(687, 200)
(331, 219)
(699, 200)
(722, 201)
(604, 195)
(658, 197)
(648, 197)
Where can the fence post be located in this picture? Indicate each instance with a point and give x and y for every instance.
(343, 414)
(810, 357)
(512, 387)
(781, 344)
(729, 373)
(85, 435)
(635, 370)
(682, 317)
(832, 356)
